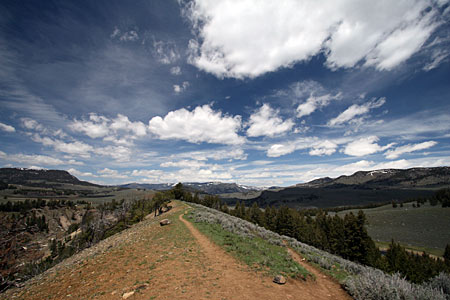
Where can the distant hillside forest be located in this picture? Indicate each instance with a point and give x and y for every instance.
(346, 237)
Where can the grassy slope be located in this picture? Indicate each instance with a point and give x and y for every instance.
(255, 252)
(425, 228)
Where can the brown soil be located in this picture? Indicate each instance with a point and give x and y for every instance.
(169, 262)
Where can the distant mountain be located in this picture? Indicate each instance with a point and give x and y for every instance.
(213, 188)
(385, 178)
(361, 188)
(41, 178)
(148, 186)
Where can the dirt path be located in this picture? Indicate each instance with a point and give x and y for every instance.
(261, 287)
(326, 285)
(153, 262)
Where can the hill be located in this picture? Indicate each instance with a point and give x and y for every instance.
(177, 261)
(212, 188)
(39, 178)
(361, 188)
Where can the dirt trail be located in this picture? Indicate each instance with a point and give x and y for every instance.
(149, 261)
(325, 284)
(245, 285)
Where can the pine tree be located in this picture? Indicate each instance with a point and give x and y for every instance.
(447, 255)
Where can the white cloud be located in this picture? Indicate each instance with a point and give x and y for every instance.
(356, 110)
(108, 173)
(35, 159)
(128, 36)
(323, 148)
(180, 88)
(100, 126)
(95, 128)
(395, 153)
(74, 148)
(165, 52)
(122, 123)
(216, 154)
(313, 103)
(236, 40)
(77, 173)
(175, 71)
(184, 164)
(365, 146)
(278, 150)
(119, 153)
(7, 128)
(200, 125)
(266, 122)
(32, 124)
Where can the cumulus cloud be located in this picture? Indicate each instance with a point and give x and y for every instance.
(323, 148)
(118, 153)
(356, 110)
(203, 124)
(74, 148)
(7, 128)
(313, 103)
(266, 122)
(95, 127)
(32, 124)
(35, 159)
(178, 88)
(236, 40)
(317, 147)
(365, 146)
(395, 153)
(99, 126)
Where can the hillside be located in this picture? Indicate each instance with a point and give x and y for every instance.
(39, 178)
(212, 188)
(148, 261)
(361, 188)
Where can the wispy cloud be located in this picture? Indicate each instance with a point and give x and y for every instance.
(6, 128)
(356, 110)
(395, 153)
(35, 159)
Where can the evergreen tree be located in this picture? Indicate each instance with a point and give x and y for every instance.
(447, 255)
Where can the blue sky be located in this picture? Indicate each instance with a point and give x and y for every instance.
(255, 92)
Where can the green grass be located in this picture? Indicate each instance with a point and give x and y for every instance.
(255, 252)
(424, 228)
(432, 251)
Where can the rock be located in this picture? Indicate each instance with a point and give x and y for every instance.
(164, 222)
(279, 279)
(127, 295)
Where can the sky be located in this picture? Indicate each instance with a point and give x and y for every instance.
(257, 92)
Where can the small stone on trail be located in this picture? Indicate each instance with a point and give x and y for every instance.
(164, 222)
(127, 295)
(279, 279)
